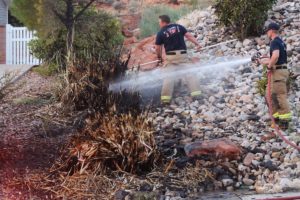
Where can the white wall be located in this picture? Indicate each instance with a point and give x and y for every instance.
(3, 13)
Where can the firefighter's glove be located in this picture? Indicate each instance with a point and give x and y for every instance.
(269, 68)
(198, 48)
(160, 61)
(256, 58)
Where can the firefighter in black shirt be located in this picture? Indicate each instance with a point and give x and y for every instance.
(277, 63)
(171, 36)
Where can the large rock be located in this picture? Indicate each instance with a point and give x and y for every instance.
(217, 147)
(247, 42)
(121, 194)
(248, 181)
(129, 41)
(246, 98)
(185, 22)
(259, 41)
(248, 159)
(227, 182)
(126, 32)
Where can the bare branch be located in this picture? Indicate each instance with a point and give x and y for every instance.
(84, 9)
(59, 15)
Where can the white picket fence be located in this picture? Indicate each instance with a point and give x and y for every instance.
(17, 49)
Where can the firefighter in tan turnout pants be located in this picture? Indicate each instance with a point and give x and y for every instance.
(277, 64)
(171, 36)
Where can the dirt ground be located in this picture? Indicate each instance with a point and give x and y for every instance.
(31, 134)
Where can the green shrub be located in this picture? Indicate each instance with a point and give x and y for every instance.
(97, 36)
(51, 49)
(246, 18)
(149, 22)
(262, 83)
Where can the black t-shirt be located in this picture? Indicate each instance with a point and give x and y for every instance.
(172, 37)
(278, 44)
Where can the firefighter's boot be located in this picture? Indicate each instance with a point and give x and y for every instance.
(194, 87)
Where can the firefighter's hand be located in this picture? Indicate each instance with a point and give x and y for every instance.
(258, 61)
(198, 48)
(160, 61)
(269, 68)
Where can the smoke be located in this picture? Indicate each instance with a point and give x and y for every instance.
(139, 81)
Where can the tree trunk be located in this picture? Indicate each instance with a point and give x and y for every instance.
(70, 41)
(70, 30)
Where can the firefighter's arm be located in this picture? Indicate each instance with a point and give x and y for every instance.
(264, 61)
(192, 39)
(158, 49)
(274, 59)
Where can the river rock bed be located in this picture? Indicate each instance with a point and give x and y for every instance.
(232, 108)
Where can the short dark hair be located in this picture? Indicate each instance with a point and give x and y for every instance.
(165, 18)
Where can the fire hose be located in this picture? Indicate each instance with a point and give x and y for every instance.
(283, 198)
(202, 49)
(277, 129)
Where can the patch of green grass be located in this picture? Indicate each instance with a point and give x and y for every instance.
(200, 4)
(31, 101)
(46, 69)
(149, 22)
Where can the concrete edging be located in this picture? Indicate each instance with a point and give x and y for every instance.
(20, 69)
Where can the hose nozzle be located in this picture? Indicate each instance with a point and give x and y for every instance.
(256, 57)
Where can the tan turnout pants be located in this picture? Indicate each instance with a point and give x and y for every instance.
(279, 91)
(169, 83)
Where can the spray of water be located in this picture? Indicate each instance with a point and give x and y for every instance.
(138, 81)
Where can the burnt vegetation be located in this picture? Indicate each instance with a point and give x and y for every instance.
(113, 133)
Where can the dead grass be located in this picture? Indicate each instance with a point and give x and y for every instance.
(78, 186)
(117, 142)
(99, 184)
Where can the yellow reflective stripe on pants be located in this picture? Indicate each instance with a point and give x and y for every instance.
(276, 115)
(166, 98)
(196, 93)
(286, 116)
